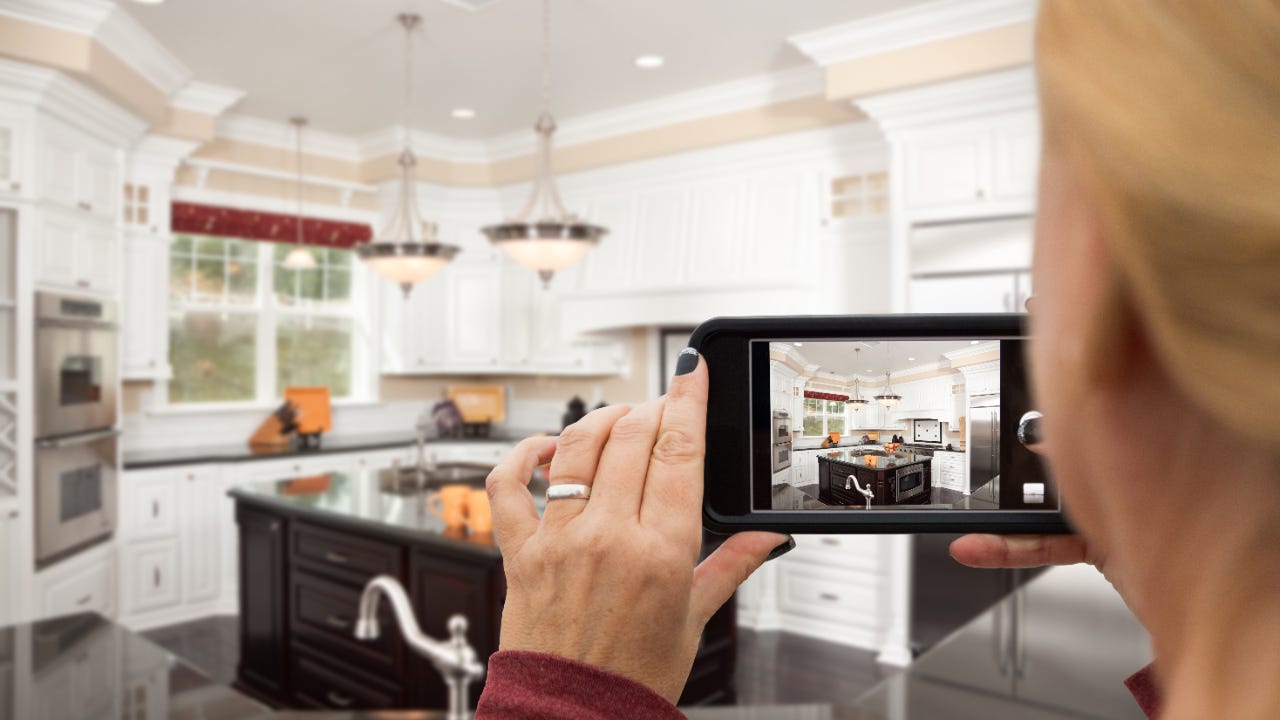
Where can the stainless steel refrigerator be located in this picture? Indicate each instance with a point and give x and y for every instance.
(984, 443)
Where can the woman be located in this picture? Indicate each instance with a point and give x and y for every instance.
(1156, 346)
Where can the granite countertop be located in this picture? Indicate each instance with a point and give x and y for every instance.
(378, 502)
(165, 457)
(1070, 666)
(873, 462)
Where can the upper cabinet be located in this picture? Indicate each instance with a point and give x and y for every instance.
(77, 255)
(14, 142)
(77, 171)
(985, 166)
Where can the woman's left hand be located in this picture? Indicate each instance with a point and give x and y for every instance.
(614, 581)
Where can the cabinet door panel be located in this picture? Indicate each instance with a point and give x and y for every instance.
(945, 168)
(966, 294)
(56, 261)
(1016, 158)
(200, 542)
(151, 509)
(473, 320)
(58, 163)
(150, 575)
(97, 258)
(263, 651)
(441, 587)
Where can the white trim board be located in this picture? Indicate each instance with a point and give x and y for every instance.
(909, 27)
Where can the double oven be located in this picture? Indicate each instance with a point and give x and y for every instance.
(76, 366)
(780, 445)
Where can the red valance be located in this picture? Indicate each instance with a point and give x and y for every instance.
(271, 227)
(825, 396)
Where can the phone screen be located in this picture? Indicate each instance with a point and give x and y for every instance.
(865, 425)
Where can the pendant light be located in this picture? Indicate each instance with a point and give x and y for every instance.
(555, 239)
(300, 257)
(857, 401)
(889, 398)
(406, 250)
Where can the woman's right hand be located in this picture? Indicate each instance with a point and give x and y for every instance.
(1023, 551)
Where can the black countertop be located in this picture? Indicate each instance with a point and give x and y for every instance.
(1068, 661)
(167, 457)
(377, 502)
(873, 461)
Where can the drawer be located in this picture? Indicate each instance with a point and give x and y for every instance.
(828, 594)
(323, 612)
(320, 682)
(83, 588)
(349, 557)
(861, 552)
(151, 507)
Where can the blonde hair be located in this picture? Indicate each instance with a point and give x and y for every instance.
(1170, 112)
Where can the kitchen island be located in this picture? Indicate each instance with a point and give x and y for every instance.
(898, 479)
(309, 545)
(1034, 656)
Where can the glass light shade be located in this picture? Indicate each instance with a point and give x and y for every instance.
(545, 254)
(299, 258)
(888, 400)
(402, 269)
(858, 403)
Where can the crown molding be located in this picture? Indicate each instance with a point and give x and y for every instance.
(206, 98)
(285, 206)
(58, 94)
(391, 140)
(111, 26)
(1004, 91)
(709, 101)
(971, 351)
(909, 27)
(281, 135)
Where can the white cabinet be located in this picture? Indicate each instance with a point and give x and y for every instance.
(951, 470)
(83, 583)
(976, 167)
(150, 575)
(77, 253)
(9, 583)
(983, 382)
(78, 171)
(985, 293)
(199, 543)
(149, 507)
(472, 321)
(145, 325)
(14, 142)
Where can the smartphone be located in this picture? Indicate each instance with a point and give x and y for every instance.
(872, 424)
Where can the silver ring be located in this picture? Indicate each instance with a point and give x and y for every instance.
(568, 491)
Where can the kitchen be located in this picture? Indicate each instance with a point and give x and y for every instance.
(178, 258)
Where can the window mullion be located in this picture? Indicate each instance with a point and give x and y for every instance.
(265, 383)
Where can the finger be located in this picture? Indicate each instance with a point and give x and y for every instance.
(1019, 551)
(716, 578)
(620, 476)
(673, 486)
(515, 517)
(577, 455)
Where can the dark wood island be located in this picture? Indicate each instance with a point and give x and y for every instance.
(308, 547)
(898, 479)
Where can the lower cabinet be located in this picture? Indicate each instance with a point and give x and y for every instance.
(84, 583)
(301, 578)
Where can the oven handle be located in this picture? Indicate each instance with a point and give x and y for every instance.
(53, 443)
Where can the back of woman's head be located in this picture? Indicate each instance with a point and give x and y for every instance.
(1169, 112)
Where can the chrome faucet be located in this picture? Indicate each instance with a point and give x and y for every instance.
(867, 492)
(454, 659)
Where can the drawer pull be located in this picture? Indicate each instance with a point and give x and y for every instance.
(829, 597)
(337, 621)
(84, 600)
(830, 541)
(339, 699)
(337, 558)
(155, 508)
(155, 577)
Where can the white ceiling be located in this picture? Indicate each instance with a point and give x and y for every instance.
(339, 62)
(842, 358)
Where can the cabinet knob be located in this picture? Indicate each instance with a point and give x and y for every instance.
(980, 193)
(15, 186)
(274, 526)
(84, 600)
(829, 597)
(82, 283)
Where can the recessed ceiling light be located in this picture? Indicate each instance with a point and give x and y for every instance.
(148, 2)
(649, 62)
(870, 370)
(463, 113)
(974, 342)
(798, 344)
(911, 359)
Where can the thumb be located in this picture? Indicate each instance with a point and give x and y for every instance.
(716, 578)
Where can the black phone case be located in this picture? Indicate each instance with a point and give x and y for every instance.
(729, 424)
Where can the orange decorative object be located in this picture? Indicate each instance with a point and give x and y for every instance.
(835, 437)
(269, 437)
(872, 460)
(479, 403)
(315, 414)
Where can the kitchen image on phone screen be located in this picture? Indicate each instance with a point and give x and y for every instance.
(902, 424)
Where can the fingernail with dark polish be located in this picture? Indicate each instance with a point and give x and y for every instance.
(687, 361)
(782, 549)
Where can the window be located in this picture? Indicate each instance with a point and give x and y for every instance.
(822, 417)
(242, 327)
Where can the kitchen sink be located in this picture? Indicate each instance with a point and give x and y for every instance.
(408, 481)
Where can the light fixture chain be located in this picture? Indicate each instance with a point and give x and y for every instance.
(546, 56)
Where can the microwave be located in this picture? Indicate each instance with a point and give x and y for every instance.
(75, 365)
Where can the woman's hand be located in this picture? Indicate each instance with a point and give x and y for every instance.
(614, 581)
(1022, 551)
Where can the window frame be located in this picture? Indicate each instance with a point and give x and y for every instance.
(826, 415)
(268, 311)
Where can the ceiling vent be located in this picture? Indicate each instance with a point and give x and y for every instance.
(470, 5)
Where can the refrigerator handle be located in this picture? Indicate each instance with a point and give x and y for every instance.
(999, 638)
(1019, 633)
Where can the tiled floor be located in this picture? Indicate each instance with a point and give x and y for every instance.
(773, 668)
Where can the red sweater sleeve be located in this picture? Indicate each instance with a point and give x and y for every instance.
(1142, 685)
(534, 686)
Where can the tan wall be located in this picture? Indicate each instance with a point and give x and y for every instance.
(188, 125)
(980, 52)
(280, 188)
(86, 60)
